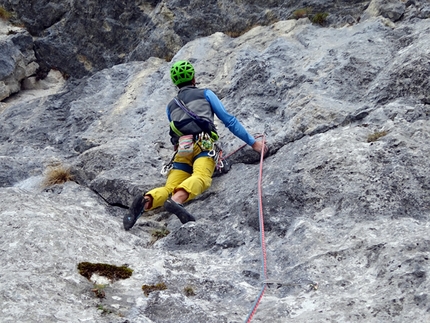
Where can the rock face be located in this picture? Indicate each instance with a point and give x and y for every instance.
(17, 60)
(82, 37)
(345, 190)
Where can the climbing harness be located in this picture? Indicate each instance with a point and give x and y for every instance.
(207, 146)
(216, 152)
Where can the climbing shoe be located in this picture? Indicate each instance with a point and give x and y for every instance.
(178, 210)
(136, 210)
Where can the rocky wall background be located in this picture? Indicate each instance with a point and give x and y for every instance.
(346, 188)
(81, 37)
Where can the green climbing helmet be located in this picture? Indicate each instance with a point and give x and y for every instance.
(181, 72)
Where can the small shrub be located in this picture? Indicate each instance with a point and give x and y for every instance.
(189, 291)
(57, 175)
(302, 13)
(151, 288)
(4, 14)
(376, 135)
(319, 18)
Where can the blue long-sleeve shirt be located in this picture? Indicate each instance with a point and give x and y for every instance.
(229, 120)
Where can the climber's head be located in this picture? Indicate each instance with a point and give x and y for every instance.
(182, 73)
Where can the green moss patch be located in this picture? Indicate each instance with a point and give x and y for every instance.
(111, 272)
(152, 288)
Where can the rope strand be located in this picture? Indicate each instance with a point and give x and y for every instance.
(262, 241)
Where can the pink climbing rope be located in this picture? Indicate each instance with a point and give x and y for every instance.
(262, 241)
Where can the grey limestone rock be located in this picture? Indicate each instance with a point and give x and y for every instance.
(82, 37)
(17, 61)
(345, 190)
(391, 9)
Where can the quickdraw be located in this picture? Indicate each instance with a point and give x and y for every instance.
(207, 143)
(218, 158)
(167, 167)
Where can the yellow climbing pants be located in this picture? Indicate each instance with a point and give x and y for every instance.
(195, 183)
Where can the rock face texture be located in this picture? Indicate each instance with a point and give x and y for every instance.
(345, 190)
(17, 60)
(81, 37)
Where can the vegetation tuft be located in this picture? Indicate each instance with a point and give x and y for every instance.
(319, 18)
(302, 13)
(57, 175)
(152, 288)
(112, 272)
(159, 234)
(4, 14)
(238, 33)
(189, 291)
(376, 135)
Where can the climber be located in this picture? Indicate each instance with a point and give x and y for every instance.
(191, 117)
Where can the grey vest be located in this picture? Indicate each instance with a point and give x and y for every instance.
(195, 101)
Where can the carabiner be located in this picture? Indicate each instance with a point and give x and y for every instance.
(165, 169)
